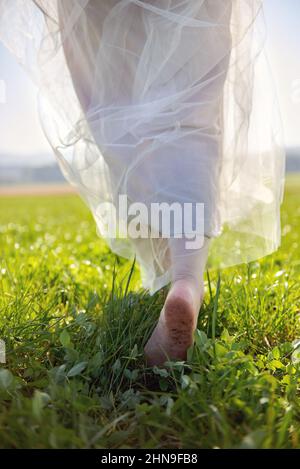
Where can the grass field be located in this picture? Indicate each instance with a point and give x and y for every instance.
(75, 322)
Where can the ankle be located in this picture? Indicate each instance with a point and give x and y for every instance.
(190, 289)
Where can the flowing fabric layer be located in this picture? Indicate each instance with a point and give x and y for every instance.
(161, 101)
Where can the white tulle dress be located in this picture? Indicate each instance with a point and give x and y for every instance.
(161, 101)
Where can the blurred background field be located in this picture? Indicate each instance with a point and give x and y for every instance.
(75, 321)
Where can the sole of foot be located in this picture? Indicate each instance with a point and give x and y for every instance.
(174, 332)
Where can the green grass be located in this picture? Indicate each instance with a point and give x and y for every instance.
(75, 328)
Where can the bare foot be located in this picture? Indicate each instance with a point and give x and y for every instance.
(173, 334)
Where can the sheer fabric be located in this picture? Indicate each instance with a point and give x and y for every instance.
(161, 101)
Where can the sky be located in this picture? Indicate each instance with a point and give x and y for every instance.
(23, 139)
